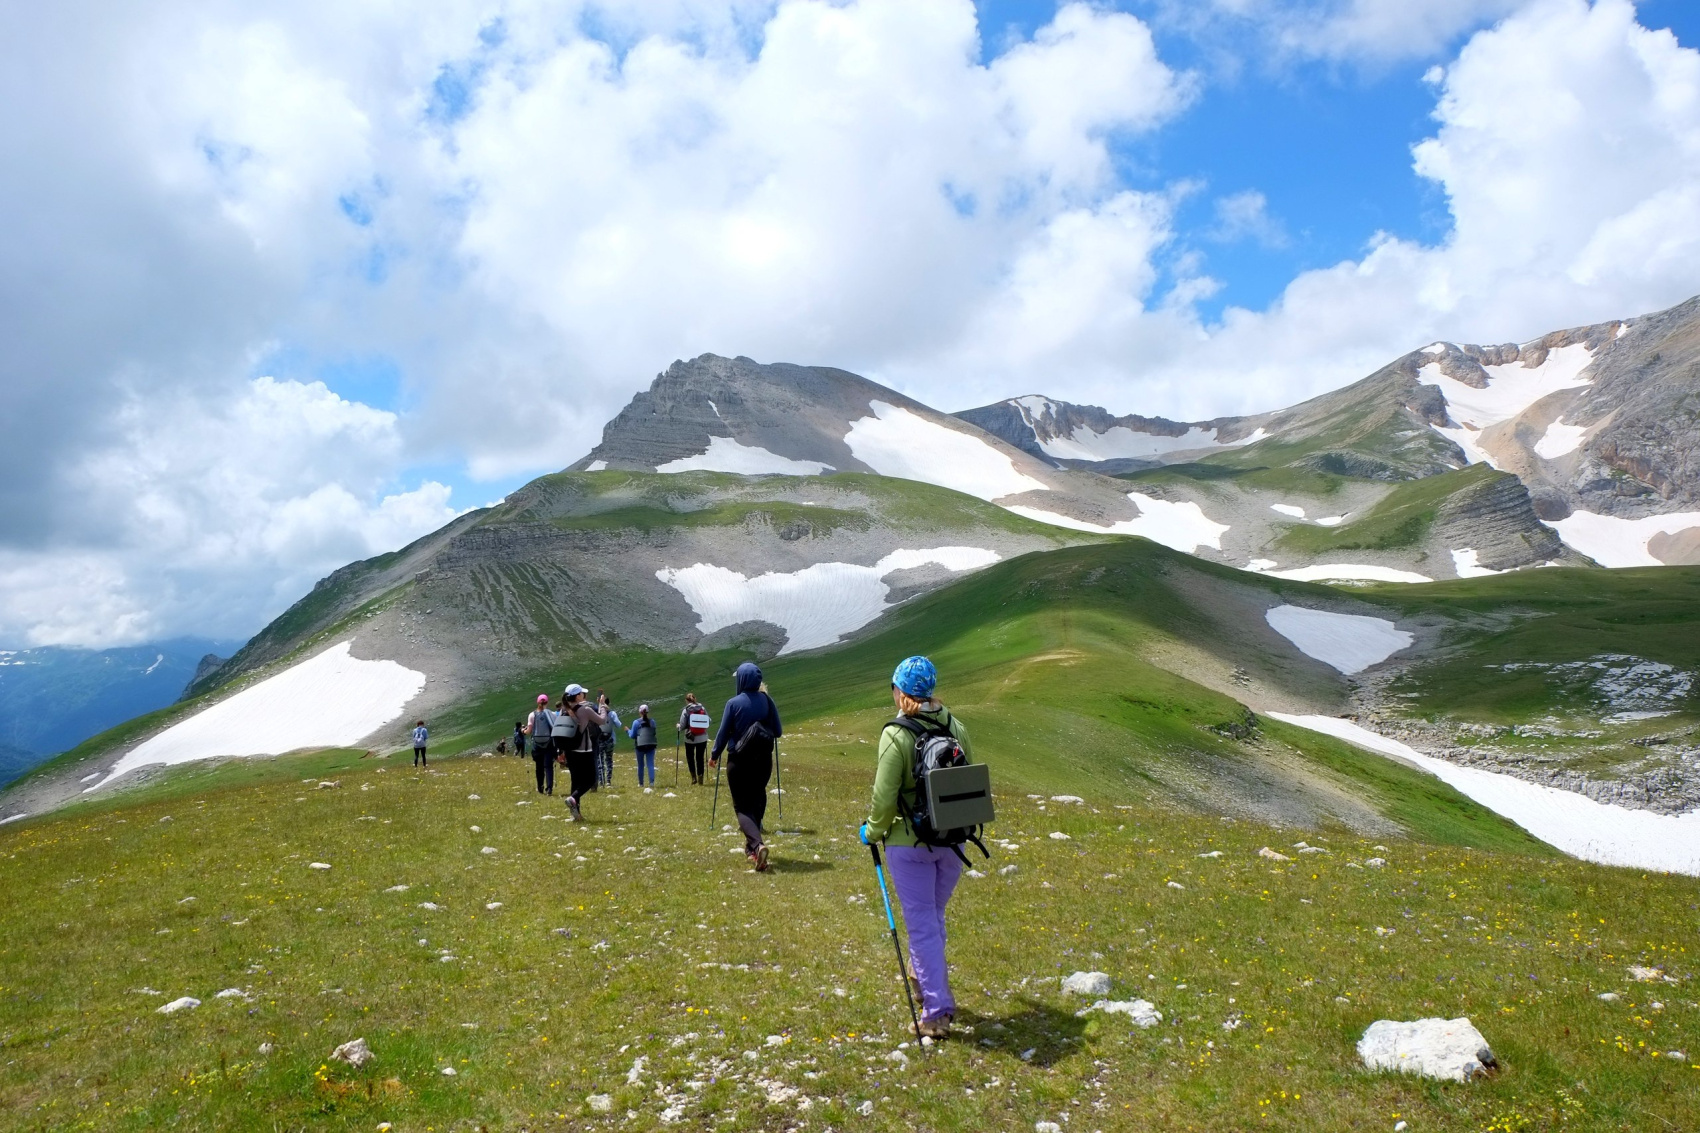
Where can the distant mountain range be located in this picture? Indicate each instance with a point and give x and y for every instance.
(53, 698)
(771, 509)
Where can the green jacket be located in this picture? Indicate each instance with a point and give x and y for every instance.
(895, 776)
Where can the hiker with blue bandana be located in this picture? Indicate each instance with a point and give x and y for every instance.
(923, 874)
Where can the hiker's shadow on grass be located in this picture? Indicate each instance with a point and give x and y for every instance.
(792, 865)
(1051, 1033)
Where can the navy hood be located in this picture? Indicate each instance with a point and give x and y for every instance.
(748, 677)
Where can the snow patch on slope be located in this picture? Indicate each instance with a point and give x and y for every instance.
(1338, 572)
(725, 454)
(897, 442)
(1559, 440)
(1593, 831)
(1510, 390)
(815, 606)
(330, 700)
(1179, 526)
(1350, 643)
(1615, 542)
(1464, 564)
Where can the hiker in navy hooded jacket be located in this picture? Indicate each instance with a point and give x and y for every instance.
(749, 762)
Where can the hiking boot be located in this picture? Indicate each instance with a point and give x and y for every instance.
(938, 1027)
(914, 984)
(760, 858)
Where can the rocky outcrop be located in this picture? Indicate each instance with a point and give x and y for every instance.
(1496, 518)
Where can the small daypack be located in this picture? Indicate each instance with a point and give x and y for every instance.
(644, 736)
(697, 725)
(757, 740)
(953, 798)
(566, 725)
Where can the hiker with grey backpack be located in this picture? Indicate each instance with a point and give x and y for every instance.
(749, 728)
(929, 800)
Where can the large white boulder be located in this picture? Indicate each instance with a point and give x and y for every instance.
(1087, 983)
(1435, 1048)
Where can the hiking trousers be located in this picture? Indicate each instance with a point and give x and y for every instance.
(543, 758)
(646, 763)
(419, 757)
(924, 879)
(581, 769)
(746, 781)
(695, 760)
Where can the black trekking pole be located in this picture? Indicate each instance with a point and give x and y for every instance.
(779, 782)
(891, 922)
(716, 806)
(675, 758)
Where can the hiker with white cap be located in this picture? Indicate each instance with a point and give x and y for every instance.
(585, 722)
(643, 733)
(540, 726)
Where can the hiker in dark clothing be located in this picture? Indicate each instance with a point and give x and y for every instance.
(748, 728)
(693, 731)
(582, 749)
(539, 726)
(519, 738)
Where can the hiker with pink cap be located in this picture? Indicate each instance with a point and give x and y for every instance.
(540, 726)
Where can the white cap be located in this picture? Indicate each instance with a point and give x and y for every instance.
(575, 690)
(643, 708)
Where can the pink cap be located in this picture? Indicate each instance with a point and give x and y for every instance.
(544, 699)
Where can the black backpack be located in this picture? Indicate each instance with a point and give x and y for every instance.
(756, 742)
(953, 798)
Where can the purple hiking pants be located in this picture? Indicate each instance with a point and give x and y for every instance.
(924, 879)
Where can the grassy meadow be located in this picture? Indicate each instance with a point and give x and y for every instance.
(633, 973)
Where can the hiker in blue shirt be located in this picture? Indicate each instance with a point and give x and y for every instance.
(643, 733)
(420, 735)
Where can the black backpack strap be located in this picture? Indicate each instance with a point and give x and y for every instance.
(974, 837)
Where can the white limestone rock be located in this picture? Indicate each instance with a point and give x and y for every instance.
(354, 1052)
(1450, 1049)
(1087, 983)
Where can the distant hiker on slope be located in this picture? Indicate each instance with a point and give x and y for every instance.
(693, 727)
(748, 728)
(420, 735)
(643, 733)
(519, 738)
(605, 741)
(540, 726)
(923, 876)
(587, 722)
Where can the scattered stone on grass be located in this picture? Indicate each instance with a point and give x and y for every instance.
(430, 906)
(449, 1072)
(1449, 1049)
(492, 905)
(1649, 975)
(600, 1103)
(318, 865)
(234, 993)
(1143, 1012)
(1176, 885)
(355, 1052)
(1608, 996)
(1376, 863)
(186, 1003)
(1379, 931)
(1087, 983)
(866, 1109)
(488, 850)
(1046, 1127)
(396, 889)
(1273, 855)
(1211, 854)
(1007, 869)
(1067, 799)
(1058, 836)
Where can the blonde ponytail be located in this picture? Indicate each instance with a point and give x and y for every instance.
(909, 706)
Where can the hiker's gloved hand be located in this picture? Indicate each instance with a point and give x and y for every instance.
(863, 835)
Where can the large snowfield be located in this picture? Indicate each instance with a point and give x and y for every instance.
(1579, 826)
(1350, 643)
(1178, 526)
(1120, 442)
(897, 442)
(725, 454)
(1614, 542)
(815, 606)
(1510, 390)
(329, 700)
(1339, 572)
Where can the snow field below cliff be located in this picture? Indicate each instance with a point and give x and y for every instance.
(1614, 542)
(897, 442)
(815, 606)
(1350, 643)
(329, 700)
(1577, 825)
(1178, 526)
(1510, 390)
(1337, 572)
(725, 454)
